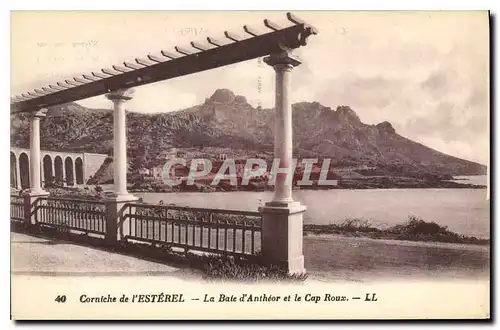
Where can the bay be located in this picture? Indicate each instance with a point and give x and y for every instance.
(464, 211)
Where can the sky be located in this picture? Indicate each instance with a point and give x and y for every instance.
(427, 73)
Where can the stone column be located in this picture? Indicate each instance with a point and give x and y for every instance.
(282, 217)
(31, 196)
(63, 171)
(42, 173)
(283, 64)
(116, 227)
(74, 172)
(18, 174)
(35, 161)
(119, 98)
(53, 164)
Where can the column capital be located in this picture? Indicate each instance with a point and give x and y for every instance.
(120, 95)
(283, 60)
(41, 113)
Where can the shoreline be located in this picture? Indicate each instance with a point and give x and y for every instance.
(484, 246)
(204, 184)
(202, 188)
(414, 229)
(271, 190)
(458, 246)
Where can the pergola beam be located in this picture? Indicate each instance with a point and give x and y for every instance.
(181, 63)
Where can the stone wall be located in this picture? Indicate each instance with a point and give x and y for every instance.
(92, 163)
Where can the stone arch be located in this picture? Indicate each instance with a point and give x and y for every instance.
(68, 169)
(58, 169)
(79, 170)
(13, 170)
(48, 176)
(24, 169)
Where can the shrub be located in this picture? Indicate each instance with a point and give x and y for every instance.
(417, 226)
(228, 268)
(415, 229)
(354, 225)
(77, 193)
(54, 182)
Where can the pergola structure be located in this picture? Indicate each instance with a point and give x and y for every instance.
(282, 217)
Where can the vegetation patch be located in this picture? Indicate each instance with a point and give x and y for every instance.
(415, 229)
(227, 268)
(90, 193)
(214, 267)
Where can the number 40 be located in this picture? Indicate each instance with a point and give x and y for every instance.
(61, 299)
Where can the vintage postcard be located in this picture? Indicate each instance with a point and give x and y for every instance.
(251, 165)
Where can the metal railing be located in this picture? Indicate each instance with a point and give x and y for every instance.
(228, 232)
(209, 230)
(77, 214)
(16, 208)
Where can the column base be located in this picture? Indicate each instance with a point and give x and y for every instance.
(121, 198)
(283, 206)
(295, 265)
(282, 235)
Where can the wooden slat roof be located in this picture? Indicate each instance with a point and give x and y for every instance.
(170, 64)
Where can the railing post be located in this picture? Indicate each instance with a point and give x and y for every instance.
(281, 236)
(27, 208)
(112, 218)
(30, 202)
(116, 225)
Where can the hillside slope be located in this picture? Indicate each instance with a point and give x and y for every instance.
(227, 121)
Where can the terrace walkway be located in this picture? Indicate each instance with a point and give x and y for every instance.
(45, 257)
(328, 259)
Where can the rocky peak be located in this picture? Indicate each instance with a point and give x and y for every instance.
(240, 99)
(58, 110)
(385, 127)
(309, 106)
(347, 114)
(223, 96)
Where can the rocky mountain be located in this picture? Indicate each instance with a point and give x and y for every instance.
(226, 120)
